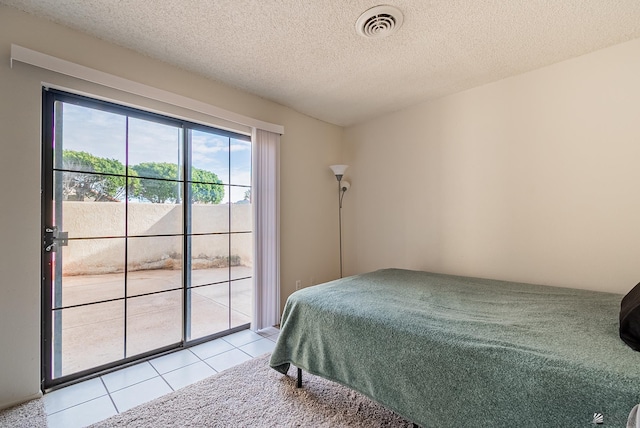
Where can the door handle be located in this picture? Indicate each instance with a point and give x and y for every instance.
(54, 238)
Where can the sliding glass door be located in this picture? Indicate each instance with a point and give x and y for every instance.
(147, 234)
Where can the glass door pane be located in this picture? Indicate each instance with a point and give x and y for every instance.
(241, 301)
(153, 321)
(87, 274)
(208, 293)
(155, 236)
(116, 281)
(90, 336)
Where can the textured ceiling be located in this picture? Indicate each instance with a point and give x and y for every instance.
(308, 56)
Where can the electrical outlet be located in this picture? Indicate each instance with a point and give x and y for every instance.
(298, 284)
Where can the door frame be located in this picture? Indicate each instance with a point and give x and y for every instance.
(48, 324)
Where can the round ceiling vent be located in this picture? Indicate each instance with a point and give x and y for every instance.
(379, 21)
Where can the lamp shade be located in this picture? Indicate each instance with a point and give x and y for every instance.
(339, 169)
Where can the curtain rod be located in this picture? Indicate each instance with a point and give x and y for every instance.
(68, 68)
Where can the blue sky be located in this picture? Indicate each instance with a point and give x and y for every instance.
(103, 134)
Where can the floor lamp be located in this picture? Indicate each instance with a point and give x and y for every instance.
(343, 186)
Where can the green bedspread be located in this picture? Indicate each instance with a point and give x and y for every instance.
(448, 351)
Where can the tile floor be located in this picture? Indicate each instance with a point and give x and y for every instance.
(96, 399)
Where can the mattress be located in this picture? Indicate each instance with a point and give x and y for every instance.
(450, 351)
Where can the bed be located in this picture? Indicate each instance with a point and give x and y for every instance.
(450, 351)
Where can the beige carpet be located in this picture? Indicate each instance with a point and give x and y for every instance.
(27, 415)
(254, 395)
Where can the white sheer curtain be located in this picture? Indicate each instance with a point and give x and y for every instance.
(266, 211)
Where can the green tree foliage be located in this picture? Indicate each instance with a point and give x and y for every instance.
(157, 191)
(79, 186)
(207, 187)
(210, 193)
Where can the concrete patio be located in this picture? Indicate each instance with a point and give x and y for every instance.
(93, 335)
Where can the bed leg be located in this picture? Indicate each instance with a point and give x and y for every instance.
(299, 382)
(415, 425)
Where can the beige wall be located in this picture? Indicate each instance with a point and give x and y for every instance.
(533, 178)
(308, 197)
(103, 219)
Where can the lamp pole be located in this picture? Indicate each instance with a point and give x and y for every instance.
(340, 195)
(339, 170)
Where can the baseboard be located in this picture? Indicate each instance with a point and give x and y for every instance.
(20, 401)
